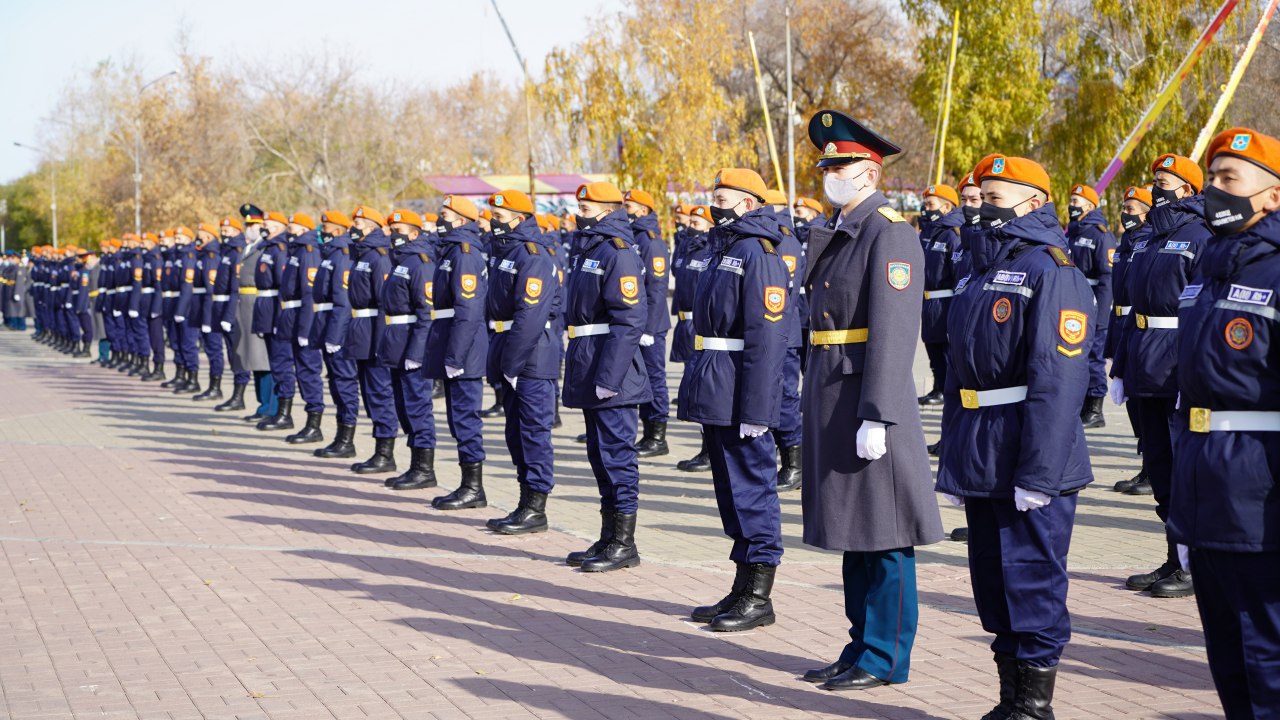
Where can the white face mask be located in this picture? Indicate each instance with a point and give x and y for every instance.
(253, 233)
(841, 192)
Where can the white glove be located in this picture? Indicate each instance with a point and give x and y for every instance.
(1117, 391)
(603, 393)
(155, 315)
(115, 313)
(746, 430)
(206, 329)
(511, 381)
(176, 318)
(1184, 557)
(303, 342)
(957, 501)
(871, 440)
(132, 313)
(68, 306)
(646, 340)
(411, 364)
(16, 298)
(331, 348)
(226, 326)
(1026, 500)
(1177, 404)
(452, 372)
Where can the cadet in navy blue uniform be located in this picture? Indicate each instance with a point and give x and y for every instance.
(186, 311)
(226, 300)
(1225, 501)
(1093, 249)
(940, 222)
(459, 343)
(1145, 369)
(687, 266)
(139, 335)
(151, 306)
(1015, 455)
(643, 213)
(170, 284)
(329, 330)
(732, 389)
(808, 215)
(605, 376)
(371, 253)
(970, 203)
(790, 430)
(269, 279)
(1133, 222)
(209, 262)
(524, 305)
(297, 312)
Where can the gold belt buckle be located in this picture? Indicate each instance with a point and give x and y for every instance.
(1142, 322)
(573, 333)
(969, 399)
(697, 342)
(499, 326)
(1200, 418)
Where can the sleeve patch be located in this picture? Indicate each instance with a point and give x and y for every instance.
(659, 265)
(468, 283)
(1073, 326)
(630, 288)
(533, 287)
(898, 273)
(428, 289)
(775, 299)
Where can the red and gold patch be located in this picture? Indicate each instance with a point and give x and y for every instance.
(1002, 310)
(533, 287)
(790, 260)
(428, 289)
(311, 274)
(775, 299)
(1239, 334)
(630, 288)
(191, 275)
(659, 265)
(137, 274)
(1073, 326)
(213, 276)
(346, 276)
(468, 283)
(1111, 257)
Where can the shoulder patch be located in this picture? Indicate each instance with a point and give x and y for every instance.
(890, 214)
(1061, 257)
(620, 243)
(784, 230)
(346, 251)
(551, 251)
(651, 235)
(532, 247)
(382, 251)
(423, 257)
(466, 248)
(768, 246)
(311, 248)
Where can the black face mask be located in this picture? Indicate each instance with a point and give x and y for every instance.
(930, 216)
(291, 236)
(443, 228)
(585, 223)
(398, 239)
(725, 216)
(1129, 221)
(970, 215)
(324, 237)
(355, 233)
(993, 217)
(1163, 197)
(632, 218)
(1228, 214)
(499, 229)
(1075, 213)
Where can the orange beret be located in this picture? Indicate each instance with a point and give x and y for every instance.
(115, 243)
(1086, 192)
(183, 230)
(462, 206)
(519, 202)
(1250, 145)
(302, 219)
(775, 197)
(553, 221)
(1182, 167)
(944, 192)
(336, 218)
(810, 203)
(407, 217)
(684, 209)
(748, 181)
(232, 222)
(278, 217)
(1141, 194)
(1015, 170)
(640, 197)
(605, 192)
(430, 217)
(487, 214)
(543, 224)
(206, 227)
(149, 236)
(364, 211)
(968, 181)
(701, 211)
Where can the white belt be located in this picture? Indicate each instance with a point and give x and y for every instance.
(938, 294)
(290, 304)
(1093, 281)
(401, 319)
(367, 313)
(1157, 323)
(1203, 421)
(122, 288)
(321, 307)
(721, 344)
(685, 315)
(974, 399)
(148, 291)
(170, 294)
(577, 331)
(268, 293)
(505, 325)
(442, 314)
(1123, 310)
(222, 298)
(199, 291)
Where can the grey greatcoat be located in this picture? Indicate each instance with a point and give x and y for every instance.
(251, 348)
(99, 329)
(869, 274)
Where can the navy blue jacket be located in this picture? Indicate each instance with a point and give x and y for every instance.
(229, 277)
(208, 260)
(1119, 321)
(1093, 249)
(524, 301)
(941, 243)
(269, 276)
(656, 260)
(407, 294)
(1026, 321)
(187, 273)
(372, 264)
(695, 253)
(297, 285)
(792, 255)
(461, 285)
(329, 326)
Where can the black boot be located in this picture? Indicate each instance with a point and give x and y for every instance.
(698, 463)
(935, 448)
(499, 393)
(495, 523)
(282, 420)
(343, 445)
(1176, 585)
(1034, 693)
(190, 384)
(933, 398)
(1140, 487)
(960, 534)
(421, 473)
(1007, 667)
(654, 442)
(531, 517)
(310, 432)
(575, 559)
(1091, 415)
(1146, 580)
(127, 365)
(214, 392)
(580, 438)
(235, 403)
(707, 613)
(156, 374)
(178, 374)
(382, 460)
(621, 552)
(789, 471)
(139, 366)
(753, 608)
(1124, 485)
(82, 350)
(470, 494)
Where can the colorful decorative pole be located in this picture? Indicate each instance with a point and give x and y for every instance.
(1206, 133)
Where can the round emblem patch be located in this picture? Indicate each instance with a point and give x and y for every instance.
(1239, 334)
(1002, 310)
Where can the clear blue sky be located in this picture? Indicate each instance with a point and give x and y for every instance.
(45, 44)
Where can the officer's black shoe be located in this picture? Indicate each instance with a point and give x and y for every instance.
(575, 559)
(933, 398)
(753, 608)
(310, 432)
(1146, 580)
(235, 403)
(496, 410)
(255, 418)
(821, 675)
(531, 517)
(282, 420)
(156, 374)
(855, 678)
(1142, 487)
(1124, 485)
(1091, 415)
(698, 463)
(789, 470)
(382, 460)
(580, 438)
(178, 374)
(495, 523)
(469, 495)
(343, 445)
(935, 448)
(960, 534)
(707, 613)
(214, 392)
(1007, 667)
(1033, 695)
(1175, 586)
(654, 442)
(421, 473)
(621, 551)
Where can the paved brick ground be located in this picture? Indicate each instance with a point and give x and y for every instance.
(161, 561)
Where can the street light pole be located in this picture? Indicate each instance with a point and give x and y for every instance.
(528, 101)
(137, 154)
(53, 187)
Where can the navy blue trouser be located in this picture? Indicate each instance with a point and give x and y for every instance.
(280, 358)
(139, 336)
(744, 472)
(155, 328)
(379, 398)
(1157, 447)
(937, 352)
(1238, 595)
(189, 344)
(412, 392)
(530, 409)
(1097, 359)
(309, 365)
(86, 326)
(788, 432)
(880, 602)
(213, 351)
(462, 398)
(1018, 568)
(344, 388)
(611, 449)
(655, 366)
